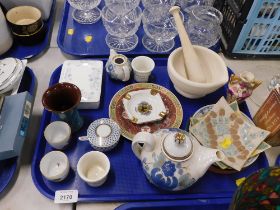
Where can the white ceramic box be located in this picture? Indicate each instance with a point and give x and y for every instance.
(87, 75)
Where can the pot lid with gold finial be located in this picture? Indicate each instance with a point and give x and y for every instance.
(177, 145)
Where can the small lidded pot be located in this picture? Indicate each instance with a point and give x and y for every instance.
(26, 24)
(103, 134)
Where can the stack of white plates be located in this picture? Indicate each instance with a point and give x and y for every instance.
(11, 72)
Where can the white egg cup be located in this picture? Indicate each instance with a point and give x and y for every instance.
(54, 166)
(57, 134)
(142, 68)
(93, 168)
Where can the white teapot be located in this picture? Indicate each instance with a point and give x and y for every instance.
(118, 66)
(172, 159)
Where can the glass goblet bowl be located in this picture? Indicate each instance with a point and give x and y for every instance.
(122, 7)
(203, 25)
(121, 29)
(160, 31)
(158, 5)
(85, 11)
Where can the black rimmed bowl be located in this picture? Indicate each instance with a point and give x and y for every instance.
(26, 24)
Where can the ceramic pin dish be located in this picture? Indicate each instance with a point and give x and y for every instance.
(103, 134)
(224, 129)
(144, 106)
(87, 75)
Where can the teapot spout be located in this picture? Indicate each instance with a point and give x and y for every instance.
(112, 53)
(211, 156)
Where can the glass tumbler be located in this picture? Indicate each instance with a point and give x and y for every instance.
(160, 31)
(121, 29)
(203, 25)
(121, 7)
(274, 82)
(85, 11)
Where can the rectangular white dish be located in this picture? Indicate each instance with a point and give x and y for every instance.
(87, 75)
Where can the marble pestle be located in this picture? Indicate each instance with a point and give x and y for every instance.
(194, 67)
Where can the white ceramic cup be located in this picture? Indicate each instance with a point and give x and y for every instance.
(93, 167)
(57, 134)
(6, 39)
(142, 68)
(55, 166)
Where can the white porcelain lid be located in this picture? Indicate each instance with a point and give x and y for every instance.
(7, 69)
(177, 146)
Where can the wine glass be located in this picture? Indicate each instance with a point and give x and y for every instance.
(121, 7)
(203, 25)
(121, 29)
(160, 31)
(157, 6)
(184, 4)
(274, 82)
(85, 11)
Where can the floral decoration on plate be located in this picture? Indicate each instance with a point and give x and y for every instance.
(226, 130)
(174, 111)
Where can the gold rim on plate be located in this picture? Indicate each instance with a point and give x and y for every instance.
(165, 94)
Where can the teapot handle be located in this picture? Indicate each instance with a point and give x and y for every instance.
(142, 138)
(126, 72)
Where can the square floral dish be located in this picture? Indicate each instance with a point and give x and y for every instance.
(226, 130)
(87, 75)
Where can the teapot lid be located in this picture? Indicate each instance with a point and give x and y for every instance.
(177, 146)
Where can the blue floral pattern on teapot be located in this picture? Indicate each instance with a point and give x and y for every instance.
(173, 170)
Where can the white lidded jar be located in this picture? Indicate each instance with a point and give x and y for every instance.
(6, 39)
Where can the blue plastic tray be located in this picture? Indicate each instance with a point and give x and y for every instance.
(209, 204)
(8, 167)
(26, 52)
(126, 181)
(75, 44)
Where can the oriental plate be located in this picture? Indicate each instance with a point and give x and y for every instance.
(128, 128)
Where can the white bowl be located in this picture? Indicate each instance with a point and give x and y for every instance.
(55, 166)
(216, 73)
(57, 134)
(93, 167)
